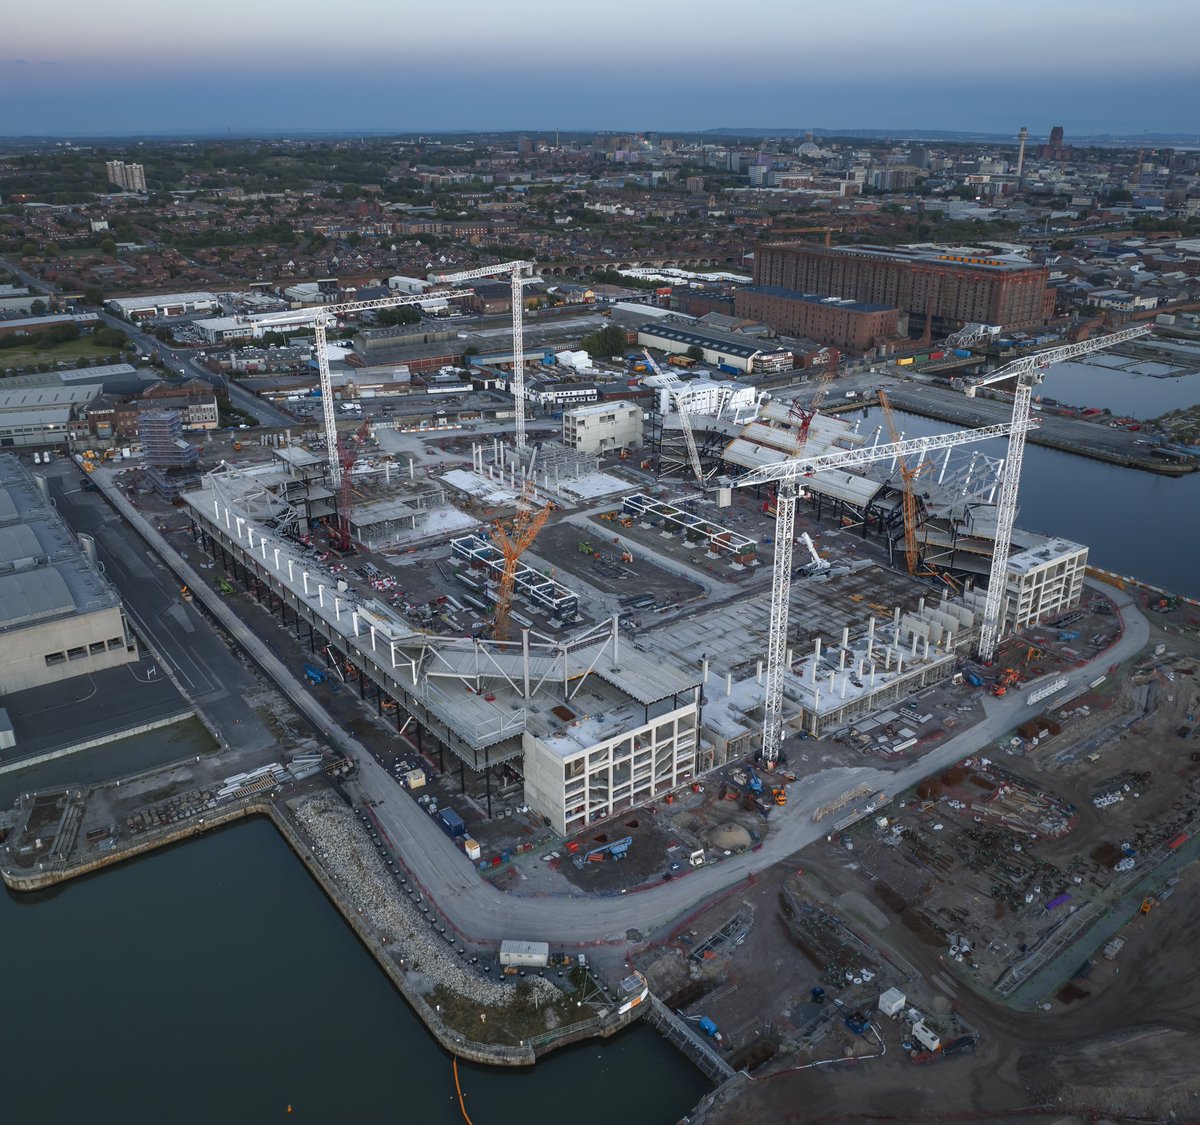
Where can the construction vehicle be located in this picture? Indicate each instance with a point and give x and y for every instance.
(1148, 904)
(973, 678)
(224, 586)
(314, 674)
(185, 594)
(615, 849)
(816, 565)
(1008, 678)
(779, 795)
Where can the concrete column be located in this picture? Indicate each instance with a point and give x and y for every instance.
(845, 678)
(758, 675)
(354, 621)
(870, 636)
(305, 577)
(321, 596)
(728, 683)
(276, 551)
(263, 544)
(791, 657)
(704, 667)
(926, 648)
(841, 660)
(291, 577)
(412, 469)
(392, 647)
(846, 636)
(372, 638)
(896, 619)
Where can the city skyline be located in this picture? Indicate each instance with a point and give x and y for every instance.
(1087, 68)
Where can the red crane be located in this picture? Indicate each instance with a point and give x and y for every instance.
(803, 415)
(348, 450)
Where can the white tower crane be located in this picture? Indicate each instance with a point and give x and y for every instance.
(685, 423)
(1028, 371)
(789, 474)
(322, 318)
(516, 269)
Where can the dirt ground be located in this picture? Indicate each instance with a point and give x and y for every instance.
(1119, 1038)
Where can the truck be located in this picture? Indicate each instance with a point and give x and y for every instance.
(524, 954)
(974, 678)
(451, 823)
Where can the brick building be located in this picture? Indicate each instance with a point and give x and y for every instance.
(853, 326)
(954, 286)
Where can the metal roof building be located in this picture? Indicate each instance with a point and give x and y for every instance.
(59, 617)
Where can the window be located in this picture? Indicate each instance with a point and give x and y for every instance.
(53, 658)
(115, 643)
(77, 653)
(96, 648)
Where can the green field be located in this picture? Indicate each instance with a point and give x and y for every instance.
(68, 354)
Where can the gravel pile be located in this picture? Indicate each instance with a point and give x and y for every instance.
(349, 856)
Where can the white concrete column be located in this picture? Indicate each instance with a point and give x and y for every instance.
(354, 622)
(291, 578)
(871, 636)
(392, 647)
(728, 683)
(337, 607)
(704, 666)
(758, 674)
(321, 596)
(305, 577)
(263, 544)
(372, 638)
(276, 551)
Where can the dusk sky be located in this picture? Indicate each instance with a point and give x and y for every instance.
(1090, 65)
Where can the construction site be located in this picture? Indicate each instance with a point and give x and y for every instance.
(600, 674)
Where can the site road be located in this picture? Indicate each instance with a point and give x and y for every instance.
(480, 911)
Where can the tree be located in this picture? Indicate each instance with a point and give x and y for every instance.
(93, 295)
(695, 352)
(606, 343)
(108, 246)
(38, 308)
(402, 314)
(165, 335)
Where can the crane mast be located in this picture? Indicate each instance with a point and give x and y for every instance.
(321, 320)
(1028, 372)
(788, 475)
(516, 270)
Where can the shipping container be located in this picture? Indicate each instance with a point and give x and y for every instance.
(451, 823)
(922, 358)
(1178, 842)
(413, 779)
(962, 352)
(525, 954)
(903, 362)
(937, 355)
(470, 847)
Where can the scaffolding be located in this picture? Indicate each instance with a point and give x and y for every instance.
(171, 463)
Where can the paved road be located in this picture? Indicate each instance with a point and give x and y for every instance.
(200, 662)
(481, 911)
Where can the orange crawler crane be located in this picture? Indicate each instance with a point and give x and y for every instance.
(513, 542)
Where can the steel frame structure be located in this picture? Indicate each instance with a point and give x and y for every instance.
(1028, 371)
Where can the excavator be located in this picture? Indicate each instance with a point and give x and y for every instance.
(1008, 678)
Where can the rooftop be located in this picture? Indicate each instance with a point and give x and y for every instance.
(842, 303)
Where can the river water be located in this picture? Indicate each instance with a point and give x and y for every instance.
(213, 982)
(1133, 522)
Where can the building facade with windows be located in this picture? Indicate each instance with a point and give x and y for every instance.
(593, 430)
(59, 617)
(951, 285)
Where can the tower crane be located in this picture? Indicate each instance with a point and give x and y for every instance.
(513, 542)
(789, 475)
(908, 478)
(323, 318)
(685, 423)
(1028, 371)
(516, 270)
(805, 414)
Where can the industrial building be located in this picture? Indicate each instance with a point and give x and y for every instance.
(593, 430)
(726, 350)
(939, 288)
(163, 304)
(41, 415)
(854, 326)
(59, 616)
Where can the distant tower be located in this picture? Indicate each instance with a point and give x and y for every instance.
(1022, 136)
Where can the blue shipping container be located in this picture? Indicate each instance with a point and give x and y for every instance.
(452, 824)
(962, 351)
